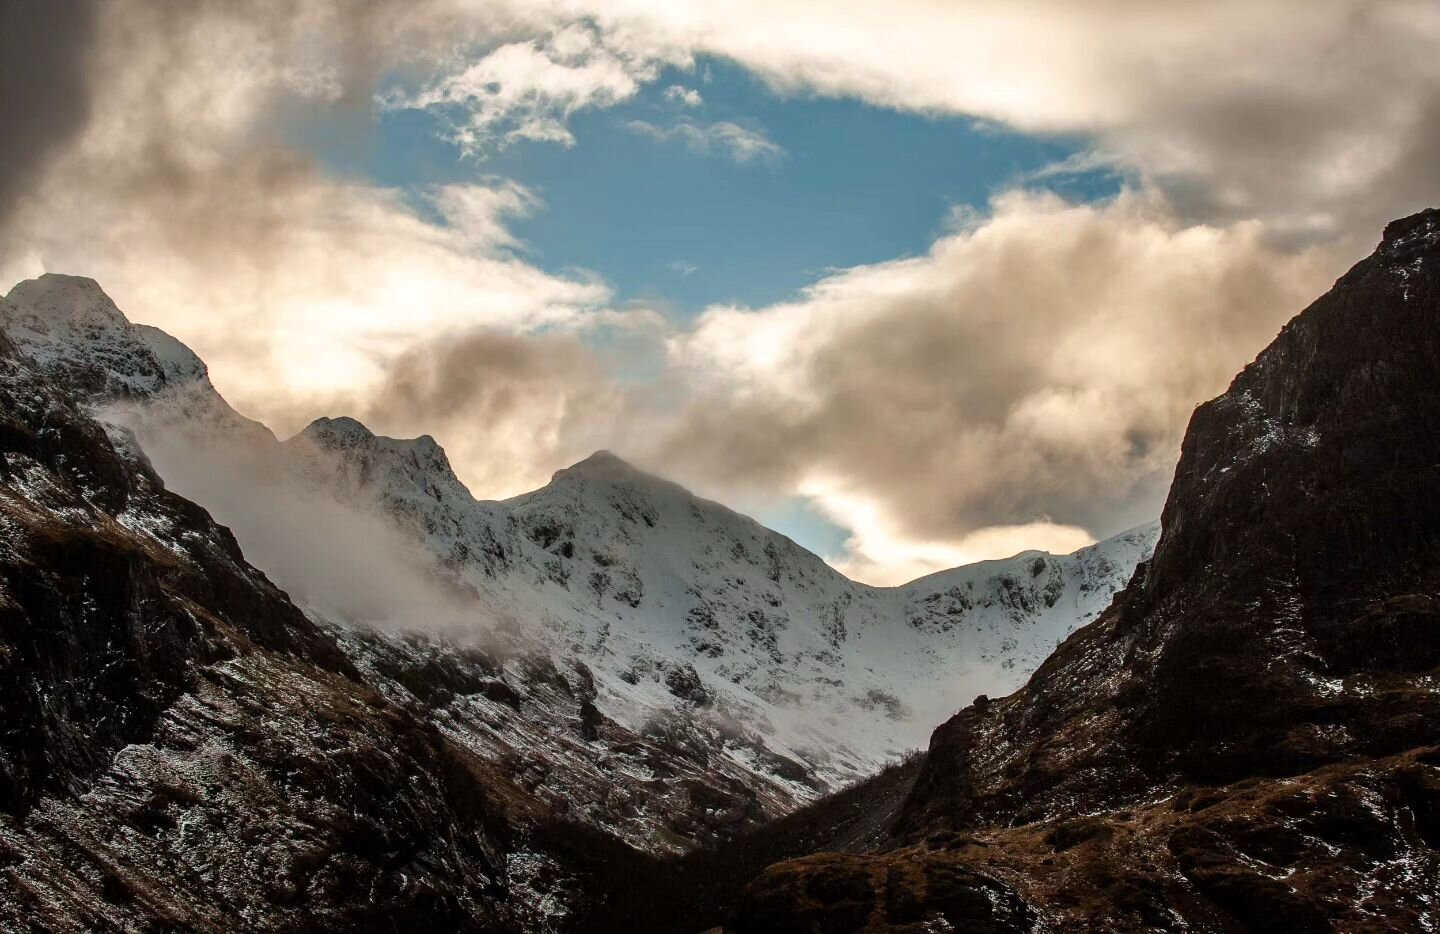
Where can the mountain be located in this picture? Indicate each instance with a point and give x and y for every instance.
(697, 627)
(1242, 739)
(183, 749)
(1245, 739)
(74, 333)
(679, 604)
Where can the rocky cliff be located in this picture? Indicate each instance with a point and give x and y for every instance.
(1245, 739)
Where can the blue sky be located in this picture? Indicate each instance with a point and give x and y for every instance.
(665, 225)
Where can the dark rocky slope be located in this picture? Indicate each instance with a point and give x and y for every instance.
(1246, 739)
(182, 749)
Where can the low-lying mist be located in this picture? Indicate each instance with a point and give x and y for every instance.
(340, 560)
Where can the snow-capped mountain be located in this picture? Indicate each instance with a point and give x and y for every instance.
(696, 626)
(678, 603)
(79, 339)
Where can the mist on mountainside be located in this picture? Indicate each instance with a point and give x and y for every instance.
(338, 559)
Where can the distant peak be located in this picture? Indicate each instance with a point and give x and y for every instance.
(343, 431)
(602, 458)
(52, 280)
(603, 464)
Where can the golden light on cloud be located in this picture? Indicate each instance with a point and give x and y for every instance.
(879, 552)
(1039, 359)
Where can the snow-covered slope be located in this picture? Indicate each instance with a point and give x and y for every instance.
(699, 627)
(71, 328)
(678, 604)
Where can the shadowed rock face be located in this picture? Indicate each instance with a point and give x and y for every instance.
(181, 748)
(103, 624)
(1249, 728)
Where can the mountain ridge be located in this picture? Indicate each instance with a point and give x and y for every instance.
(668, 599)
(1241, 740)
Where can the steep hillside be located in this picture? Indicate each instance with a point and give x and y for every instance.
(183, 749)
(1246, 739)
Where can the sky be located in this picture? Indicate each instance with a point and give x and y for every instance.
(917, 285)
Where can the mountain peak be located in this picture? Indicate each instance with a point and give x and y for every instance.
(76, 333)
(76, 300)
(603, 464)
(344, 431)
(341, 431)
(1420, 228)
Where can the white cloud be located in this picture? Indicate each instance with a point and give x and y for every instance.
(735, 142)
(1321, 118)
(528, 90)
(880, 552)
(686, 97)
(1027, 380)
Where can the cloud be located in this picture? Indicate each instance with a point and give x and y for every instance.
(44, 88)
(346, 561)
(510, 408)
(1320, 118)
(1034, 369)
(528, 90)
(298, 286)
(299, 289)
(686, 97)
(1025, 379)
(880, 552)
(722, 138)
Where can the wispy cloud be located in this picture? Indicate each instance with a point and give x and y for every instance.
(1080, 163)
(723, 138)
(682, 268)
(686, 97)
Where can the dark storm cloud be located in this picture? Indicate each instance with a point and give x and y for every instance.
(44, 86)
(502, 402)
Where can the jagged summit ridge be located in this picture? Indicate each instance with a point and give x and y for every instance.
(348, 438)
(344, 431)
(1418, 232)
(78, 337)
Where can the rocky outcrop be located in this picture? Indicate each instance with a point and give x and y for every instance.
(1245, 739)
